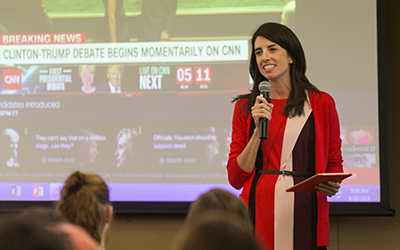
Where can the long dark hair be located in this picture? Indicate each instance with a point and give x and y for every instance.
(284, 37)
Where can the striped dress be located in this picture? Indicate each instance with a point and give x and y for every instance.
(286, 220)
(283, 220)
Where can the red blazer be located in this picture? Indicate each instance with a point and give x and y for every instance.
(328, 156)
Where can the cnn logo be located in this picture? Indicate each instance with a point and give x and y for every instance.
(12, 79)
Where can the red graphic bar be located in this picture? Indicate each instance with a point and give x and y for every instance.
(50, 38)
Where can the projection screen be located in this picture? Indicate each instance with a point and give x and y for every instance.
(142, 95)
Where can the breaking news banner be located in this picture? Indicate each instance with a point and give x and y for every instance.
(52, 38)
(150, 52)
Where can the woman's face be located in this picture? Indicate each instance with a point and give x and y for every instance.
(124, 150)
(87, 76)
(273, 61)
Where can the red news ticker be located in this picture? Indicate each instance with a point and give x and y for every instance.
(201, 75)
(49, 38)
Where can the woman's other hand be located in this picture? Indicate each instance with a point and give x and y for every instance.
(329, 189)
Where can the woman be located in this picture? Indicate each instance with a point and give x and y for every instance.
(20, 234)
(219, 201)
(304, 139)
(217, 219)
(216, 231)
(78, 237)
(126, 145)
(85, 202)
(86, 73)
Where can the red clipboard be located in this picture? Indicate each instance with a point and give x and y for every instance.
(308, 184)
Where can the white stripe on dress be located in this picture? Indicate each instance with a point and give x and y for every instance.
(284, 201)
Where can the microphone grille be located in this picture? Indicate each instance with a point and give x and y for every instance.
(264, 86)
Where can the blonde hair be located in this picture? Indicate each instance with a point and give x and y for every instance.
(85, 202)
(130, 133)
(84, 66)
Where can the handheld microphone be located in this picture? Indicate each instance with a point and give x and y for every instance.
(264, 89)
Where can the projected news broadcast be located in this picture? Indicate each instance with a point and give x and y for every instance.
(142, 97)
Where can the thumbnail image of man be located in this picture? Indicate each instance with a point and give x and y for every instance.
(114, 76)
(212, 146)
(217, 149)
(9, 147)
(86, 73)
(86, 149)
(125, 146)
(226, 148)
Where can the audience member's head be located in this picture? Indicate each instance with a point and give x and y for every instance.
(54, 221)
(45, 216)
(219, 200)
(216, 231)
(85, 202)
(19, 234)
(80, 238)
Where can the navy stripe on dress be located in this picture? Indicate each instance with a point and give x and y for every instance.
(305, 208)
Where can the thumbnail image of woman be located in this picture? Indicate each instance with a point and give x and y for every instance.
(124, 154)
(9, 147)
(358, 135)
(86, 73)
(359, 160)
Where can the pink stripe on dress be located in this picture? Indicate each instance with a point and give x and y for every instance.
(284, 201)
